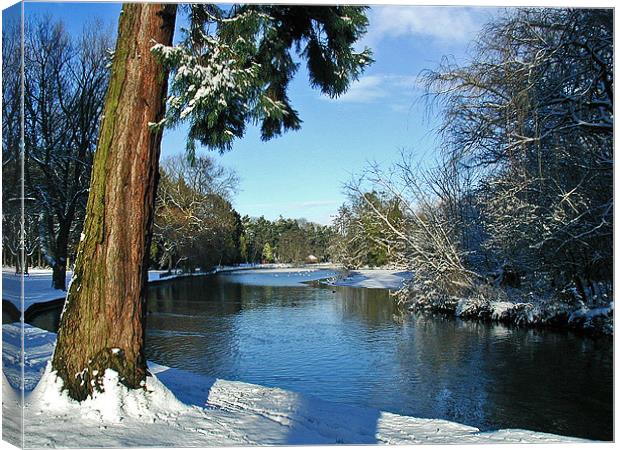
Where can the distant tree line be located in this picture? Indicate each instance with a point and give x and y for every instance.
(521, 198)
(284, 240)
(196, 225)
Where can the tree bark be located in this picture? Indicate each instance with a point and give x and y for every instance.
(102, 326)
(59, 270)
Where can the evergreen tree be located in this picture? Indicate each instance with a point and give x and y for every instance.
(267, 253)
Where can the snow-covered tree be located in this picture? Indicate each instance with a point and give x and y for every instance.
(522, 193)
(532, 116)
(362, 237)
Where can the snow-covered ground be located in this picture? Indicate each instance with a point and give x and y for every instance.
(375, 278)
(282, 276)
(187, 410)
(516, 307)
(37, 287)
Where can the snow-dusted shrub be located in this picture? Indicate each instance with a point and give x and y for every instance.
(507, 305)
(597, 319)
(472, 307)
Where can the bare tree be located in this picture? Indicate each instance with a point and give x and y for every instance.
(424, 236)
(193, 217)
(532, 116)
(65, 87)
(11, 128)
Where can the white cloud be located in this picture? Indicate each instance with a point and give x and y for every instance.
(371, 88)
(439, 23)
(365, 90)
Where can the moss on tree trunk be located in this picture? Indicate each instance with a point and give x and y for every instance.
(102, 325)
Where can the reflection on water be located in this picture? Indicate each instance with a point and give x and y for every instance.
(354, 346)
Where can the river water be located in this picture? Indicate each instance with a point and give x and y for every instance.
(355, 346)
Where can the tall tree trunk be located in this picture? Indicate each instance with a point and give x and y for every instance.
(59, 270)
(102, 326)
(59, 275)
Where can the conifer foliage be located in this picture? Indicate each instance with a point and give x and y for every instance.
(234, 66)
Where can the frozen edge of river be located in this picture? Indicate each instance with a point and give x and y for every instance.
(182, 409)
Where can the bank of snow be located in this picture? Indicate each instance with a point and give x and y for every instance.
(181, 409)
(281, 276)
(374, 279)
(37, 287)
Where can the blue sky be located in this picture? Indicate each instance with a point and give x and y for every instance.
(301, 173)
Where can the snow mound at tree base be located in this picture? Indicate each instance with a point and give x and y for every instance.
(113, 404)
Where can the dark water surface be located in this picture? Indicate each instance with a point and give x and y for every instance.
(355, 346)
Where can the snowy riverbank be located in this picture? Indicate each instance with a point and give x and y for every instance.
(328, 274)
(187, 410)
(514, 307)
